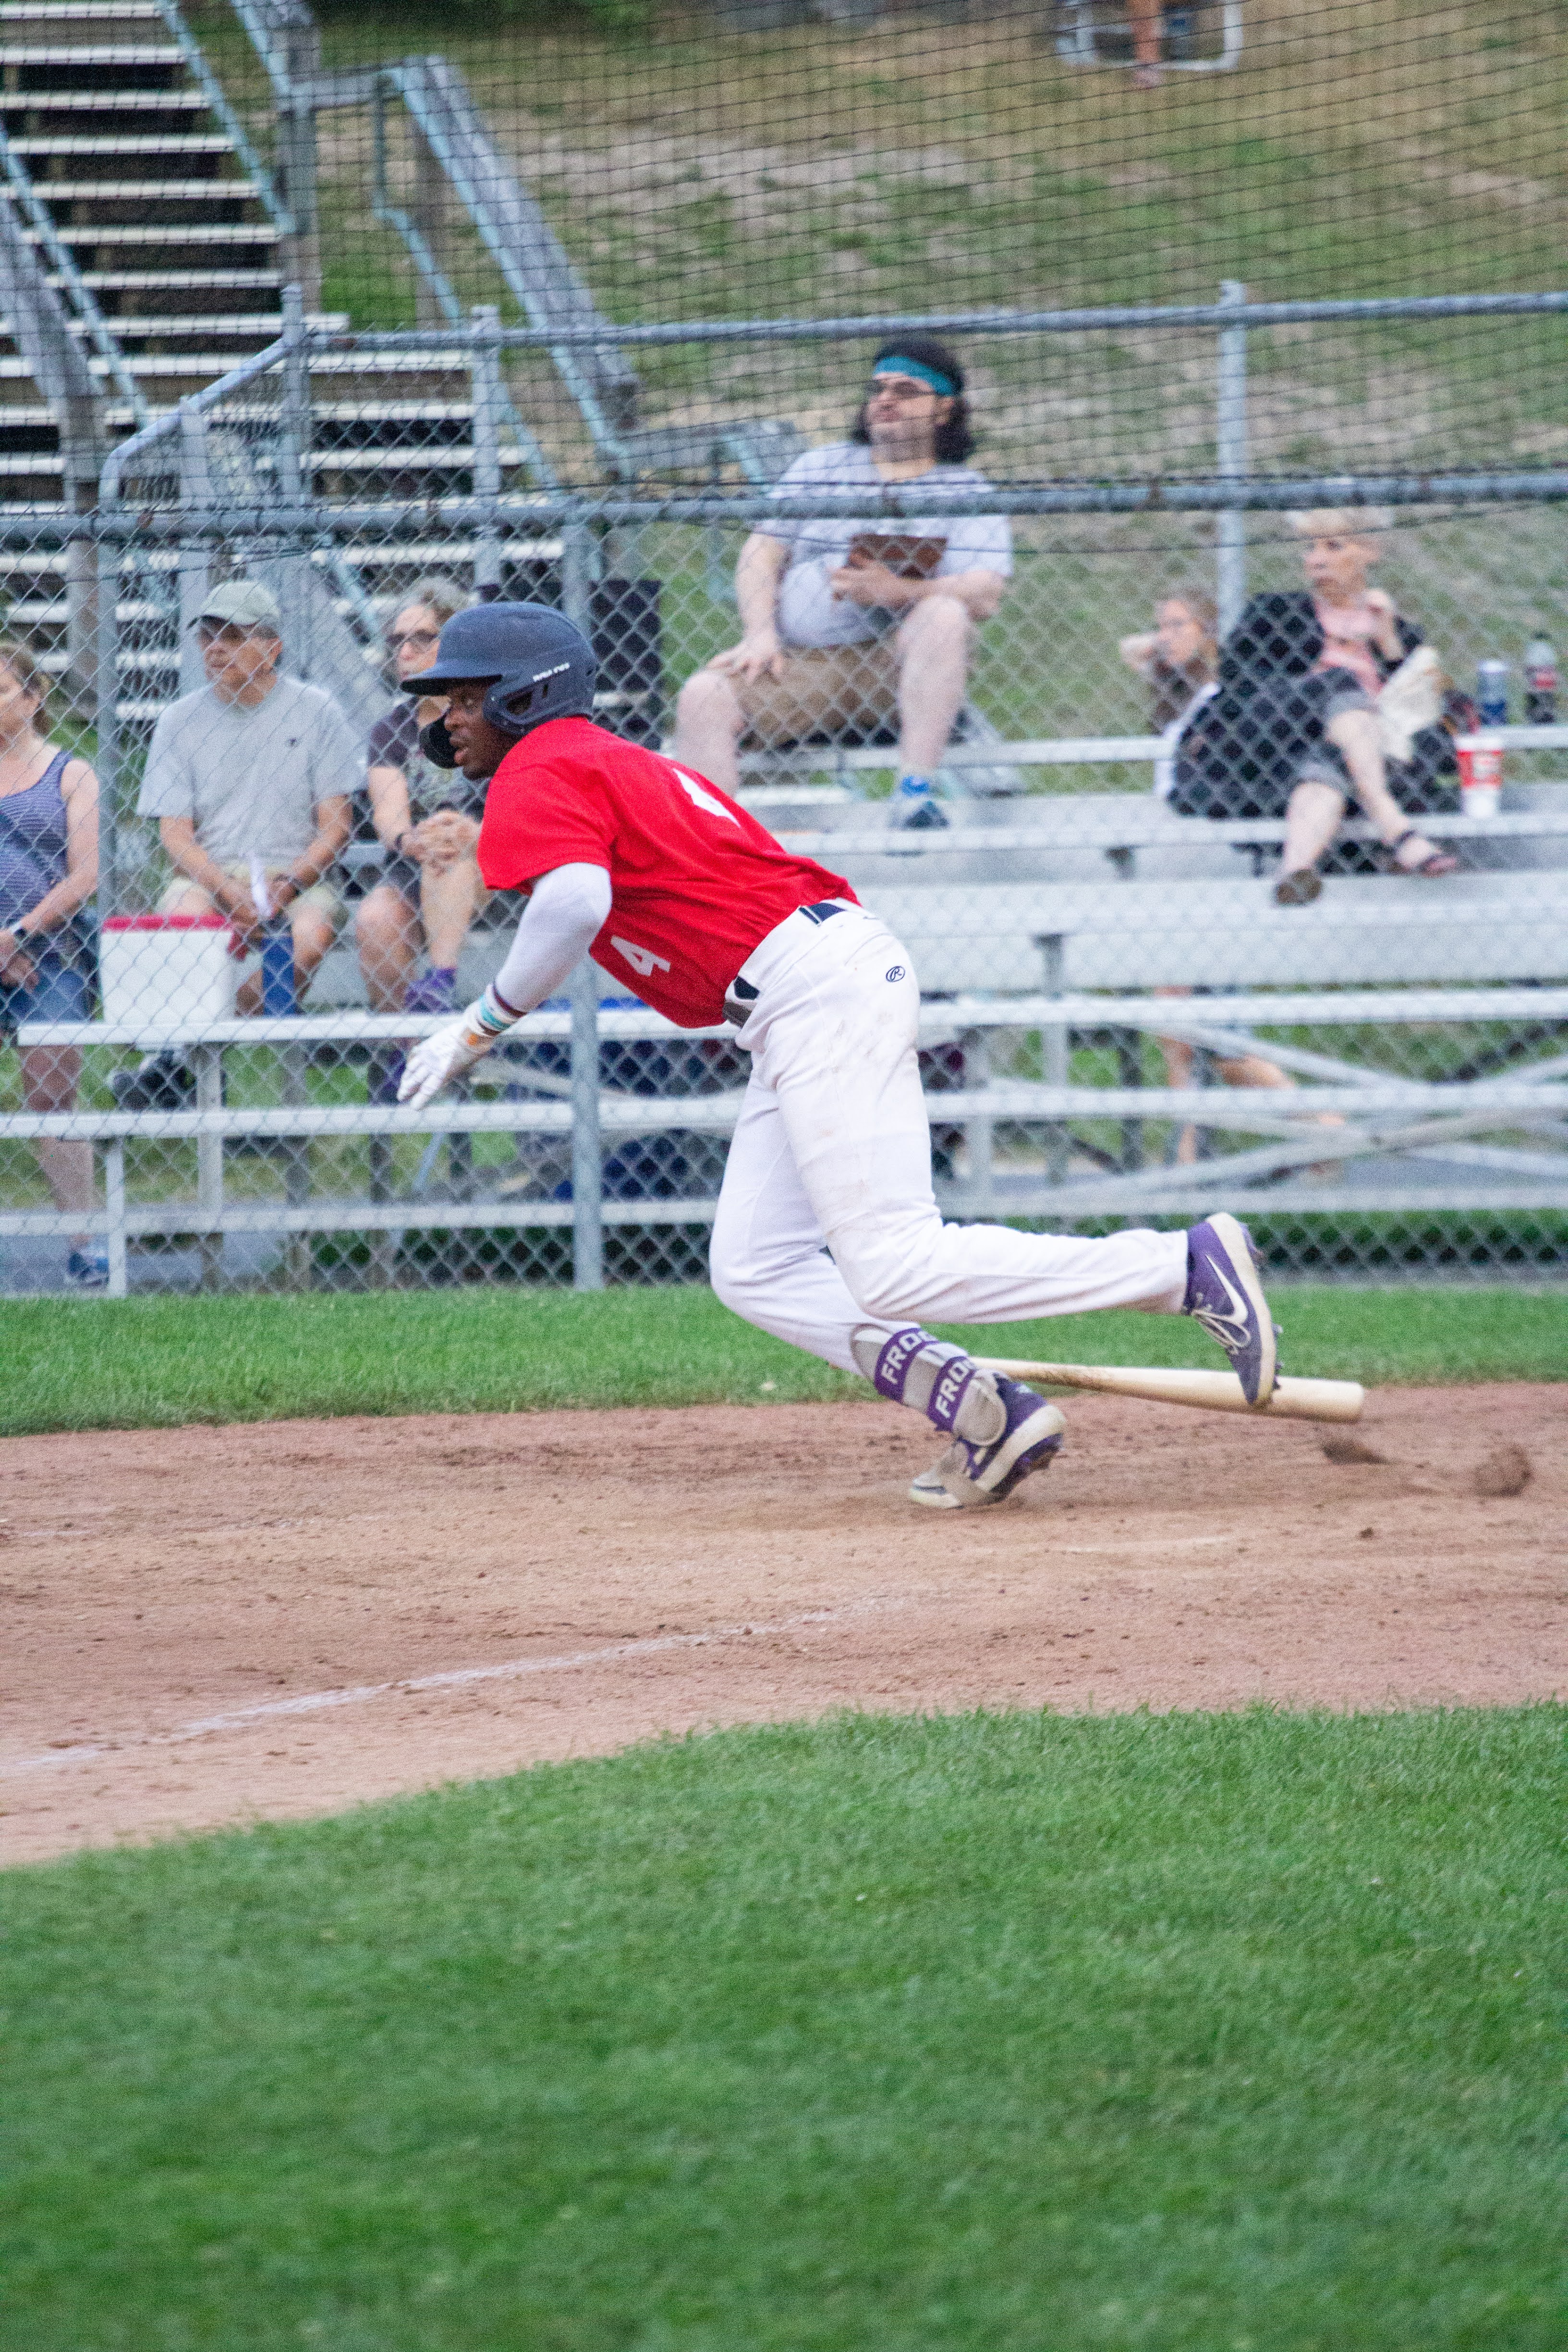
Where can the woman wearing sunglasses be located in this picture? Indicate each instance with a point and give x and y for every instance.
(428, 818)
(861, 630)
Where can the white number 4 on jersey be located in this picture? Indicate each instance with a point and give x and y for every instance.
(641, 959)
(700, 797)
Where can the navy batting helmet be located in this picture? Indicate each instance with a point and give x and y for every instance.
(542, 665)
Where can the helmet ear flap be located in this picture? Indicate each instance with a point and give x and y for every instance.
(507, 707)
(437, 744)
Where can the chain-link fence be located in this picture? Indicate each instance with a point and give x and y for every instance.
(201, 1089)
(623, 161)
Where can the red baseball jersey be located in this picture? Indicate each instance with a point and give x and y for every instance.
(695, 881)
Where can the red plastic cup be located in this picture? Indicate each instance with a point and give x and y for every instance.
(1480, 776)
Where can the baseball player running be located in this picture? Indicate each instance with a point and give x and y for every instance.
(675, 890)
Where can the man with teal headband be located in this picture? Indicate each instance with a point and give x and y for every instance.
(858, 627)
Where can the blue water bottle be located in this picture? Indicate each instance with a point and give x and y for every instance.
(278, 972)
(1491, 692)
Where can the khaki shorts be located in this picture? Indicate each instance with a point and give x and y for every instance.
(825, 690)
(404, 877)
(185, 897)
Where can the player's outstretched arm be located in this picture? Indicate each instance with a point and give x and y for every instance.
(563, 918)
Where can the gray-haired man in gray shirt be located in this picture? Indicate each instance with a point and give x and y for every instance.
(254, 767)
(252, 773)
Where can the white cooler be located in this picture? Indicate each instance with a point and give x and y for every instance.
(168, 973)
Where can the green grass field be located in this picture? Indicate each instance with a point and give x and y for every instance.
(1015, 2033)
(999, 2032)
(157, 1362)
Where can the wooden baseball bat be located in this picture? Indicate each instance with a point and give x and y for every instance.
(1215, 1392)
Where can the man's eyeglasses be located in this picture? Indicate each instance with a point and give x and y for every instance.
(901, 387)
(422, 639)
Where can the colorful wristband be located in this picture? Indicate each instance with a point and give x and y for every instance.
(493, 1015)
(490, 1018)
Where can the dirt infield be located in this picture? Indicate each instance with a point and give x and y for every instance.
(215, 1625)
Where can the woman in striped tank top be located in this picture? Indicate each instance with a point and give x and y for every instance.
(49, 871)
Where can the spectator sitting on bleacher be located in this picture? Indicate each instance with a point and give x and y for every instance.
(854, 626)
(1177, 659)
(1294, 730)
(430, 818)
(1179, 656)
(48, 870)
(254, 769)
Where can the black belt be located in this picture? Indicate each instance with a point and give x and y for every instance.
(739, 996)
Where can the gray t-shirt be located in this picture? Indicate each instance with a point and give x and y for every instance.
(252, 779)
(809, 611)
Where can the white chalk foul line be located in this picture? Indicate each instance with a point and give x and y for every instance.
(453, 1678)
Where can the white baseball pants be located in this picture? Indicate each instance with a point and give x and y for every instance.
(833, 1145)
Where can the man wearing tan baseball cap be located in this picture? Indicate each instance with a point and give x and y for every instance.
(254, 764)
(250, 779)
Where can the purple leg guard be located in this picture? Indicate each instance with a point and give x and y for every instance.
(933, 1376)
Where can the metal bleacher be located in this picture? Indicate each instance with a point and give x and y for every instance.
(144, 249)
(141, 229)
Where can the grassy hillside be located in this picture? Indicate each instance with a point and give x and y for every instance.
(954, 159)
(1360, 148)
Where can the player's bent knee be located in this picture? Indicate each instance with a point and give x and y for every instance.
(884, 1290)
(728, 1272)
(739, 1289)
(891, 1266)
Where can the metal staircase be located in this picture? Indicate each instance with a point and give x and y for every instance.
(139, 226)
(144, 247)
(551, 291)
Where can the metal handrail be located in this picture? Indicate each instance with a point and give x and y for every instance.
(404, 226)
(394, 218)
(195, 403)
(1250, 1110)
(1195, 494)
(62, 261)
(216, 98)
(110, 556)
(256, 22)
(1106, 318)
(538, 511)
(438, 103)
(1283, 1008)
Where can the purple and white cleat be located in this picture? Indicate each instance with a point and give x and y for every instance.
(1225, 1296)
(999, 1431)
(969, 1474)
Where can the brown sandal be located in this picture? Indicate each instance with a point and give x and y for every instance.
(1438, 863)
(1299, 889)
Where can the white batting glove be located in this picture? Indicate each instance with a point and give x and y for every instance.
(447, 1052)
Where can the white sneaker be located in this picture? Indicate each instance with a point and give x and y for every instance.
(930, 1488)
(914, 807)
